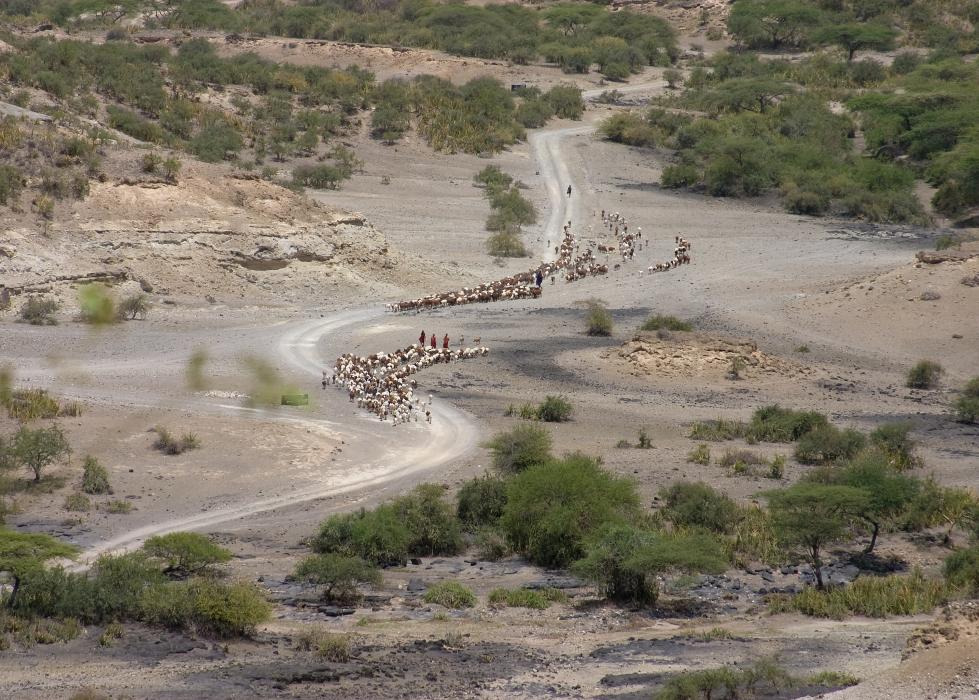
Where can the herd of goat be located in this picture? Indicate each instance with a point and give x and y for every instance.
(382, 383)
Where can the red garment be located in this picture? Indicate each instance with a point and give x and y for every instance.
(421, 339)
(434, 343)
(445, 342)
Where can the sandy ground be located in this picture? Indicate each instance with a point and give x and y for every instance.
(262, 480)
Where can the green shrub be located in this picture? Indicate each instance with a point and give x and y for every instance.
(450, 594)
(871, 596)
(924, 375)
(566, 101)
(679, 175)
(493, 178)
(670, 323)
(216, 142)
(339, 575)
(967, 405)
(552, 507)
(895, 441)
(377, 536)
(777, 467)
(323, 177)
(598, 321)
(738, 460)
(961, 570)
(491, 545)
(11, 184)
(430, 520)
(525, 598)
(687, 504)
(506, 244)
(481, 502)
(555, 409)
(39, 311)
(829, 444)
(185, 553)
(776, 424)
(77, 503)
(206, 606)
(130, 123)
(520, 448)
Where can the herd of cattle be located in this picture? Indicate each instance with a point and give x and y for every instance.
(382, 383)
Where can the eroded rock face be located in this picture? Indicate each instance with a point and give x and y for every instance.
(690, 354)
(228, 236)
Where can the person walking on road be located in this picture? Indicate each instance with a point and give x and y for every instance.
(445, 342)
(569, 190)
(421, 339)
(435, 344)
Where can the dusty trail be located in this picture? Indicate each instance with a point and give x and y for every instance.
(452, 433)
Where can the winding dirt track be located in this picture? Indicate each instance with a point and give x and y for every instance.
(310, 344)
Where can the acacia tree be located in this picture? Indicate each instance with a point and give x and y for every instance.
(36, 449)
(772, 23)
(24, 552)
(854, 36)
(813, 516)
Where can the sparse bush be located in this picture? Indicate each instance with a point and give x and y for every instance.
(216, 142)
(112, 633)
(97, 305)
(171, 445)
(11, 184)
(491, 545)
(327, 645)
(802, 349)
(829, 444)
(699, 455)
(645, 442)
(924, 375)
(520, 448)
(26, 405)
(118, 507)
(185, 553)
(687, 504)
(450, 594)
(718, 430)
(598, 321)
(77, 503)
(555, 409)
(671, 323)
(736, 368)
(150, 162)
(339, 575)
(871, 596)
(39, 311)
(777, 468)
(481, 502)
(738, 460)
(133, 306)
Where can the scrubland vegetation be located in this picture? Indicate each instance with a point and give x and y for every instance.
(573, 35)
(510, 212)
(744, 125)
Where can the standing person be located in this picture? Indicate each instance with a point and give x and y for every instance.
(445, 342)
(539, 278)
(421, 339)
(434, 342)
(569, 190)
